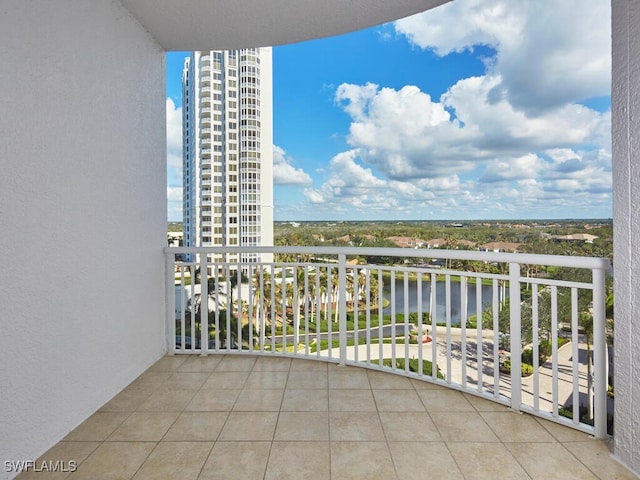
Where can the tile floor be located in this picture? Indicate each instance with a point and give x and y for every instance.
(243, 417)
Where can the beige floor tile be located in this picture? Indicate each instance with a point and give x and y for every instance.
(463, 427)
(267, 379)
(409, 426)
(516, 427)
(355, 426)
(267, 400)
(384, 380)
(298, 460)
(595, 455)
(59, 461)
(486, 461)
(483, 405)
(351, 401)
(196, 427)
(170, 460)
(151, 380)
(425, 384)
(303, 365)
(305, 400)
(265, 364)
(114, 461)
(424, 460)
(218, 380)
(398, 401)
(445, 401)
(187, 380)
(210, 400)
(167, 364)
(236, 460)
(232, 363)
(249, 426)
(302, 426)
(562, 433)
(167, 401)
(196, 363)
(348, 377)
(97, 427)
(310, 379)
(558, 462)
(144, 426)
(361, 460)
(127, 400)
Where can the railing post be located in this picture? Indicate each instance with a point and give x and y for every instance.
(342, 307)
(600, 383)
(204, 306)
(170, 299)
(515, 335)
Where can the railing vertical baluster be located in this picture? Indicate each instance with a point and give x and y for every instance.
(515, 335)
(192, 316)
(250, 317)
(170, 310)
(479, 343)
(406, 321)
(295, 300)
(380, 317)
(495, 301)
(238, 283)
(600, 384)
(329, 310)
(204, 306)
(463, 329)
(216, 304)
(447, 301)
(420, 329)
(554, 350)
(342, 312)
(229, 312)
(306, 297)
(318, 301)
(535, 313)
(356, 296)
(367, 289)
(285, 317)
(393, 320)
(260, 307)
(272, 306)
(434, 327)
(575, 356)
(183, 302)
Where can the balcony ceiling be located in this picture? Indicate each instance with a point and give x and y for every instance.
(227, 24)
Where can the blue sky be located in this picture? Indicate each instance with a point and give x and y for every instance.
(478, 109)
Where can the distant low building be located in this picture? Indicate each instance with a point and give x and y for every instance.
(500, 247)
(576, 237)
(407, 242)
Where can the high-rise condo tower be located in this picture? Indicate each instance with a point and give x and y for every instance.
(227, 116)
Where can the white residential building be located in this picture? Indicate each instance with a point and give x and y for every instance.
(227, 115)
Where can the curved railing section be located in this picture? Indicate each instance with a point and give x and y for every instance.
(527, 331)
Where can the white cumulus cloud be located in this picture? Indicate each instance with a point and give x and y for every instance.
(548, 52)
(284, 173)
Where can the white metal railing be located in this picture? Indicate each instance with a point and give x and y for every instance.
(420, 313)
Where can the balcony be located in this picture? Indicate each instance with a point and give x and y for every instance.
(276, 417)
(270, 396)
(476, 327)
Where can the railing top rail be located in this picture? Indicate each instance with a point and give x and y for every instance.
(500, 257)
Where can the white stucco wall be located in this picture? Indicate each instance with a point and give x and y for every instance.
(626, 203)
(83, 214)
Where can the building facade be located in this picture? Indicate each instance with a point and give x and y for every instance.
(227, 115)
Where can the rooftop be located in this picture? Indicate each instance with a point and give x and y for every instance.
(245, 417)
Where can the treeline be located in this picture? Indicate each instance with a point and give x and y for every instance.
(531, 237)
